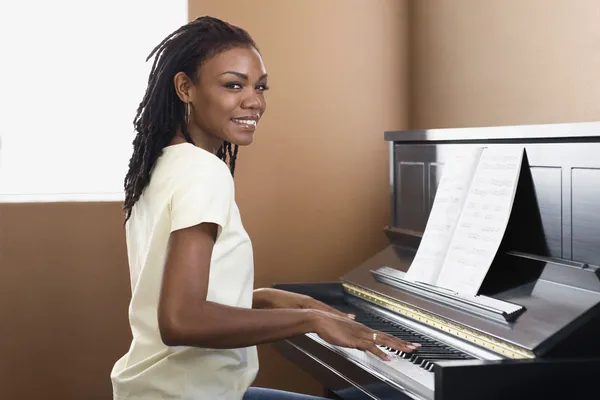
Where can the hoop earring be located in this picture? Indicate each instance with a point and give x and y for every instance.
(187, 113)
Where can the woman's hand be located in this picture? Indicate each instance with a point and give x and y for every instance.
(275, 298)
(344, 332)
(331, 325)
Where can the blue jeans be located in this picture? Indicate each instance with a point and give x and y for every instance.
(256, 393)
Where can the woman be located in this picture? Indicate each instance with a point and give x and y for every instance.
(194, 316)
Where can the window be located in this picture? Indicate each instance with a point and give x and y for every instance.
(72, 75)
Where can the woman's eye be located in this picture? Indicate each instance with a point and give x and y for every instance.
(263, 88)
(237, 86)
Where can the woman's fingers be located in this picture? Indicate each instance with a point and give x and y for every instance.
(371, 347)
(395, 343)
(374, 339)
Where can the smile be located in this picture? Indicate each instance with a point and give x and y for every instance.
(247, 123)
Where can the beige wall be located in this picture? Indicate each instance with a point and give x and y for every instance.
(64, 291)
(313, 187)
(478, 63)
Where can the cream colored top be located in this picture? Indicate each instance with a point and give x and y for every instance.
(188, 186)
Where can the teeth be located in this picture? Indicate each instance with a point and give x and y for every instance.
(245, 121)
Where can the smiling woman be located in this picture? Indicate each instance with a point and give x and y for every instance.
(194, 315)
(215, 103)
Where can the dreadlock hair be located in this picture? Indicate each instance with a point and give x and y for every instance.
(161, 112)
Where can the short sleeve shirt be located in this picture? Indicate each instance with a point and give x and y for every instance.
(188, 186)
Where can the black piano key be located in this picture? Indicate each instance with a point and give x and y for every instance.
(426, 352)
(433, 350)
(438, 356)
(397, 333)
(429, 364)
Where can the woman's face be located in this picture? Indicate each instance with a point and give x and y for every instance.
(227, 100)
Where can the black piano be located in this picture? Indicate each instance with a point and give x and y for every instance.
(478, 347)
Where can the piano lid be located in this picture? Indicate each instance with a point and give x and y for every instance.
(548, 260)
(517, 133)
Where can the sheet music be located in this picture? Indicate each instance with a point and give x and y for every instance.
(450, 196)
(483, 220)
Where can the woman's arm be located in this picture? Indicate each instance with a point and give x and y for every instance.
(186, 318)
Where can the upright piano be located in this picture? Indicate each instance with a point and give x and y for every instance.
(533, 329)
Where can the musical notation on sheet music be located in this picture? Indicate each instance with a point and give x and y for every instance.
(447, 206)
(483, 220)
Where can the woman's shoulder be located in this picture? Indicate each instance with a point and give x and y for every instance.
(185, 164)
(186, 157)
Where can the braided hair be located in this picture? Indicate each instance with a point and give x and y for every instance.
(161, 112)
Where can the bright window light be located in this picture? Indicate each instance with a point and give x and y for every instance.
(72, 74)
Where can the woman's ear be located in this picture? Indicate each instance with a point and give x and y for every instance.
(183, 86)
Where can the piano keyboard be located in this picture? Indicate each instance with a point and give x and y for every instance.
(411, 371)
(429, 352)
